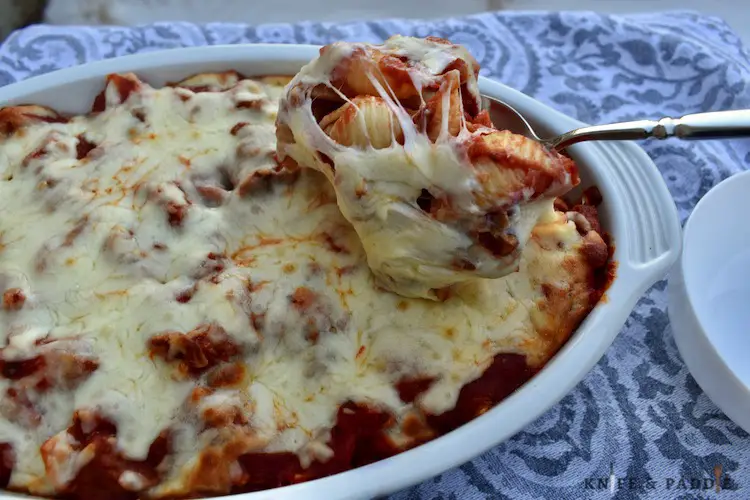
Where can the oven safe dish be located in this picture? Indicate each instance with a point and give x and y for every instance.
(169, 213)
(187, 315)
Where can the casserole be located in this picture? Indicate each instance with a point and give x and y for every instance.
(638, 213)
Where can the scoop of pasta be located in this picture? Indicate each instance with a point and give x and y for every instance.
(436, 194)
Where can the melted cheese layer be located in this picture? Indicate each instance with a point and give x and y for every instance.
(152, 232)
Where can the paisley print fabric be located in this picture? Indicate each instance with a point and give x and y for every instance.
(638, 415)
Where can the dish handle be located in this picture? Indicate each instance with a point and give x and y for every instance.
(652, 225)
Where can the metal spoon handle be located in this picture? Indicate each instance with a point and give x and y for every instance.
(713, 125)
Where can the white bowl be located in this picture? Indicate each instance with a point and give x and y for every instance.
(709, 297)
(638, 212)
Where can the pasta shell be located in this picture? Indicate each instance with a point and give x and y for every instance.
(445, 110)
(355, 75)
(365, 121)
(513, 167)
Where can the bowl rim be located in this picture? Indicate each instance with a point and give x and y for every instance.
(577, 356)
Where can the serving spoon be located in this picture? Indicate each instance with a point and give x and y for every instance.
(711, 125)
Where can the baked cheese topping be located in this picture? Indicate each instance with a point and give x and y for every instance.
(166, 280)
(436, 194)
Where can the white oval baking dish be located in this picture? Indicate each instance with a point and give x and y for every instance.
(638, 212)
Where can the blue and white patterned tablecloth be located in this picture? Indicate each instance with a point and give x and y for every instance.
(639, 411)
